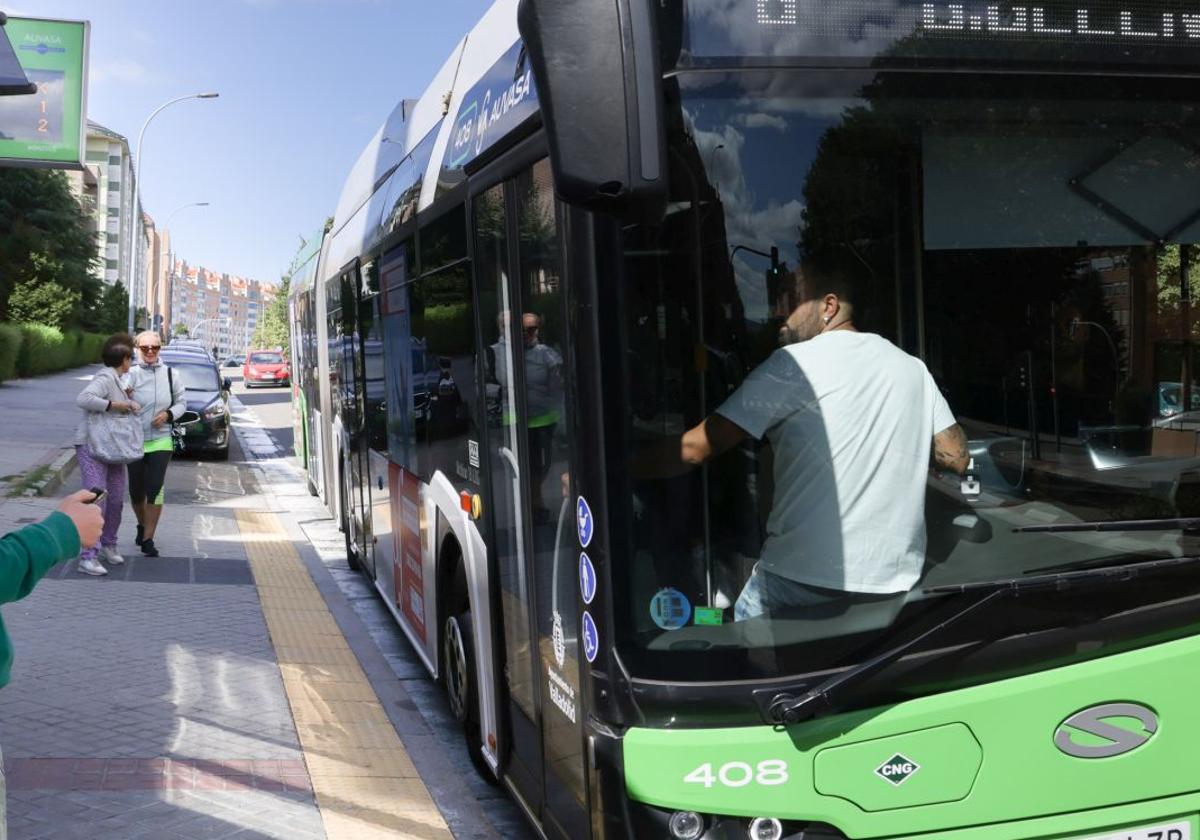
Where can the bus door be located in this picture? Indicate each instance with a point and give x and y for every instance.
(536, 553)
(372, 453)
(352, 385)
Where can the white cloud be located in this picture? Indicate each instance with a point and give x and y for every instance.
(123, 71)
(749, 221)
(759, 120)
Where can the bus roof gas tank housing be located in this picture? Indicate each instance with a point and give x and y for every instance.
(597, 67)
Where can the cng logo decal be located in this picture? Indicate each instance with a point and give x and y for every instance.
(897, 769)
(1103, 738)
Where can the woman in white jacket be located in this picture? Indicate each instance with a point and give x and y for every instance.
(163, 400)
(105, 393)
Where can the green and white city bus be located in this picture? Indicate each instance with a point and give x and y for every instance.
(1014, 192)
(305, 309)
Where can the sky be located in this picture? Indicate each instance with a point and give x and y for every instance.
(303, 84)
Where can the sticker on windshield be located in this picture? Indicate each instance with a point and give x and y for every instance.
(670, 609)
(587, 578)
(583, 518)
(591, 637)
(710, 616)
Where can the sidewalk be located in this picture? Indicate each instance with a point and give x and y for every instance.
(38, 418)
(221, 690)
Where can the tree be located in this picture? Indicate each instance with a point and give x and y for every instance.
(273, 329)
(1170, 306)
(179, 330)
(112, 312)
(37, 301)
(45, 236)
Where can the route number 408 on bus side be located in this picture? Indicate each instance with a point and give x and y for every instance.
(736, 774)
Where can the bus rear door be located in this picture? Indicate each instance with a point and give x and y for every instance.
(353, 385)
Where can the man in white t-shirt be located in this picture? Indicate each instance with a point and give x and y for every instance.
(852, 420)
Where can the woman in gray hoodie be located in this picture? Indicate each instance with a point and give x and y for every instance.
(162, 400)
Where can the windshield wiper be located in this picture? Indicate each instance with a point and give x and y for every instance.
(826, 697)
(1179, 524)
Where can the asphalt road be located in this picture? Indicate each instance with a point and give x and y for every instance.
(272, 406)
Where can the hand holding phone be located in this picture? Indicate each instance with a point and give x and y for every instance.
(98, 494)
(86, 517)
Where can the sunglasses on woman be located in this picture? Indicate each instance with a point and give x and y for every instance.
(149, 348)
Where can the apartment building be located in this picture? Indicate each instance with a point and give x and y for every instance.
(106, 190)
(222, 310)
(157, 301)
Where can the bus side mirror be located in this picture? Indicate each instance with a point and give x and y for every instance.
(598, 74)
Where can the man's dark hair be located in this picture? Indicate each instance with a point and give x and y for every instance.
(117, 348)
(815, 280)
(822, 279)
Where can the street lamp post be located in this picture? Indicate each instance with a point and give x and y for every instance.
(1112, 345)
(167, 227)
(195, 327)
(137, 183)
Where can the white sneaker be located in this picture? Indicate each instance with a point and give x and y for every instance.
(91, 566)
(108, 554)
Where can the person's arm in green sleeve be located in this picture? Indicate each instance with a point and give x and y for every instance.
(27, 554)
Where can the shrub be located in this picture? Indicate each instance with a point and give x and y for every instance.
(90, 348)
(10, 347)
(42, 349)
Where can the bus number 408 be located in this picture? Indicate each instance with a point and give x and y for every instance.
(738, 774)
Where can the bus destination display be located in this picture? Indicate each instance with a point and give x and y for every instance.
(1133, 31)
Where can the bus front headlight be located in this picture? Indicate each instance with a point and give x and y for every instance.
(766, 828)
(686, 825)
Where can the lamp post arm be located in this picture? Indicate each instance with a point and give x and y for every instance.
(137, 185)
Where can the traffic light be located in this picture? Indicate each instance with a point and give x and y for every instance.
(774, 275)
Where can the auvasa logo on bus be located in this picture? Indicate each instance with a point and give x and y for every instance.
(897, 769)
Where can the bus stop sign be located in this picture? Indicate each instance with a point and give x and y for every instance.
(47, 128)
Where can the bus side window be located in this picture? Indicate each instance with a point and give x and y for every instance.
(374, 386)
(443, 352)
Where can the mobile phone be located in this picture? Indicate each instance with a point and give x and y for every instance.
(99, 494)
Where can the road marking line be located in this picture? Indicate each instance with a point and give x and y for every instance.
(364, 782)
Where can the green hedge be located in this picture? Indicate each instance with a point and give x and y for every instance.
(10, 346)
(35, 349)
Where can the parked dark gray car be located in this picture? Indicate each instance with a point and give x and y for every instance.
(207, 394)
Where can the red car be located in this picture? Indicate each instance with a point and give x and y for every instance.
(266, 367)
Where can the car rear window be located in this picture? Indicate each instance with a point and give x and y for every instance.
(195, 377)
(266, 359)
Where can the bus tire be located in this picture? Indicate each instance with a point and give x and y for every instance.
(351, 550)
(462, 686)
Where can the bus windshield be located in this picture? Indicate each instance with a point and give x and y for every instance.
(922, 321)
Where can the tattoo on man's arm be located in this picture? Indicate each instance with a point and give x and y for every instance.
(950, 449)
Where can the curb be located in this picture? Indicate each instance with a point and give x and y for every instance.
(61, 462)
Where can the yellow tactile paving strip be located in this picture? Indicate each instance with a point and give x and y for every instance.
(364, 782)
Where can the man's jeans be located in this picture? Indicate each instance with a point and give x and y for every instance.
(765, 590)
